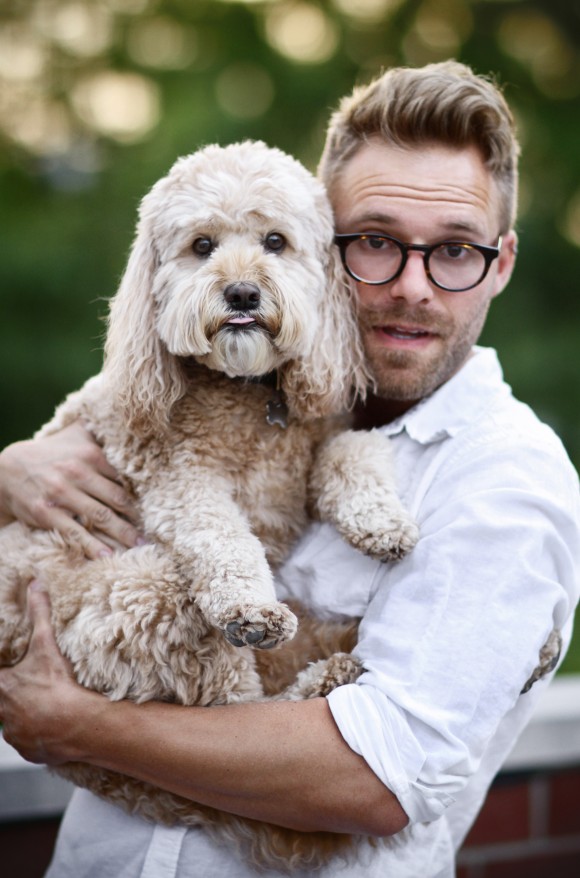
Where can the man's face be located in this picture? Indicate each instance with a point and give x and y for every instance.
(416, 336)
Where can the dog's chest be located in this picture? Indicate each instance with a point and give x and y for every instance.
(223, 432)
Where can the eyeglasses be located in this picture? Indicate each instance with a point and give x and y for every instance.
(454, 266)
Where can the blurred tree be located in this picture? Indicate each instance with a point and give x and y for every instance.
(98, 98)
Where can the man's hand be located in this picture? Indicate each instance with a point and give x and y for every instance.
(64, 482)
(37, 695)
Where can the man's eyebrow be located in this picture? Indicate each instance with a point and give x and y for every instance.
(379, 218)
(462, 227)
(459, 227)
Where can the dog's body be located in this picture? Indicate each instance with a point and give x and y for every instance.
(231, 278)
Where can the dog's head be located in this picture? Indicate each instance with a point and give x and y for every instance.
(233, 265)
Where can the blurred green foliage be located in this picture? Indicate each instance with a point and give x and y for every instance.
(98, 98)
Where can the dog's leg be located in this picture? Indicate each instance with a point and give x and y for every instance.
(225, 564)
(321, 677)
(315, 640)
(130, 628)
(352, 486)
(316, 662)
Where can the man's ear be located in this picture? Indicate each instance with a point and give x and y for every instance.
(506, 261)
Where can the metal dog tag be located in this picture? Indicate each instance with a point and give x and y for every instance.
(277, 412)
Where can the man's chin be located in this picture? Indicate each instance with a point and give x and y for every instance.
(399, 375)
(402, 391)
(401, 378)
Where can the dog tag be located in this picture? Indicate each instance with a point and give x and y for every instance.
(277, 412)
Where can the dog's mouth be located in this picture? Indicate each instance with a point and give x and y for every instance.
(241, 322)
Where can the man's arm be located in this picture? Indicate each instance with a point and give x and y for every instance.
(282, 762)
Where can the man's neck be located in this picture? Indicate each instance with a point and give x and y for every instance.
(375, 412)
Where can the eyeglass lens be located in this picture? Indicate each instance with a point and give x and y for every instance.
(378, 260)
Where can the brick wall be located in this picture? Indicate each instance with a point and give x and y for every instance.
(26, 847)
(529, 827)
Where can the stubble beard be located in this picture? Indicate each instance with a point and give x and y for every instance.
(410, 376)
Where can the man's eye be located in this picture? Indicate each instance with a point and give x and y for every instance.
(275, 242)
(202, 246)
(455, 251)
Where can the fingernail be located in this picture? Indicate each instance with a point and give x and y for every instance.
(36, 585)
(141, 541)
(105, 553)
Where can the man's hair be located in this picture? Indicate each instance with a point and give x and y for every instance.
(446, 104)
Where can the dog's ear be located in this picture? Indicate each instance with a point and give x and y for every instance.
(334, 373)
(144, 377)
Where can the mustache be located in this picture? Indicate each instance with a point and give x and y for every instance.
(400, 313)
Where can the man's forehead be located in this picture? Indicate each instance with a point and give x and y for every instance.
(380, 180)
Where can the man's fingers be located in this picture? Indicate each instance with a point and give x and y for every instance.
(87, 523)
(35, 692)
(72, 483)
(38, 607)
(43, 649)
(63, 470)
(109, 493)
(94, 516)
(73, 532)
(64, 482)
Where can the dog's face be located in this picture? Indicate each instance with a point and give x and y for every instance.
(233, 265)
(242, 238)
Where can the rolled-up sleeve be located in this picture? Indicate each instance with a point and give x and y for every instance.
(452, 632)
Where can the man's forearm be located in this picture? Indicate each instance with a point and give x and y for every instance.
(283, 762)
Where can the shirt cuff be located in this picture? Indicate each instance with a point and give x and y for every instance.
(375, 728)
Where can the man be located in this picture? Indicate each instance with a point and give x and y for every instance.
(421, 167)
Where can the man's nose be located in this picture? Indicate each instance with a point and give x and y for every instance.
(412, 284)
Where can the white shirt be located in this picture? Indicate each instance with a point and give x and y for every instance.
(448, 638)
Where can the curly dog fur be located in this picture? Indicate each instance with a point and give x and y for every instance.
(232, 349)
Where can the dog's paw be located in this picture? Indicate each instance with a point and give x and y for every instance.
(384, 539)
(320, 678)
(340, 669)
(263, 627)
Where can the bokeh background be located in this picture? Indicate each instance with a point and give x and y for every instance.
(98, 98)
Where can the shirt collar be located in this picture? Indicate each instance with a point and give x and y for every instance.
(456, 403)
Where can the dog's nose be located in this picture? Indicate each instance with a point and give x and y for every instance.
(242, 296)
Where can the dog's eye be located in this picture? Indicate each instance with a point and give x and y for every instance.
(275, 242)
(202, 246)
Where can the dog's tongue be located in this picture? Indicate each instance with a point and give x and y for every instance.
(241, 320)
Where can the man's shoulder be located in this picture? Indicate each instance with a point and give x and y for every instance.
(484, 414)
(510, 446)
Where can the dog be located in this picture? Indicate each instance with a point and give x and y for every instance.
(231, 355)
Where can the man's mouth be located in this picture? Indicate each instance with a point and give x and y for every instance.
(404, 333)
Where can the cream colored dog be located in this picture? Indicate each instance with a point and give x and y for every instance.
(232, 343)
